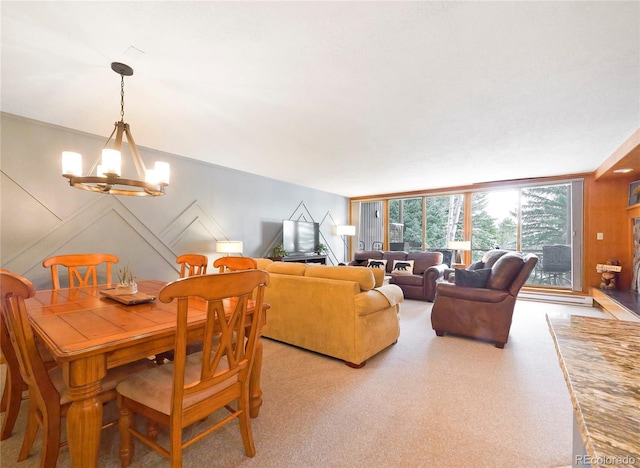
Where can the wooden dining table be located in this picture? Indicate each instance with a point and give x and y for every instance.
(88, 333)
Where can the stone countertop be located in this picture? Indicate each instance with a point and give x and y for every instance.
(600, 360)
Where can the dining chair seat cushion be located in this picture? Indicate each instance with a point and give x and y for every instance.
(153, 387)
(110, 382)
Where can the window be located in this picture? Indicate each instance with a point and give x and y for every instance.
(371, 231)
(445, 221)
(405, 224)
(535, 219)
(494, 221)
(545, 219)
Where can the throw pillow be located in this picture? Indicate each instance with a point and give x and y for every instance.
(373, 263)
(402, 267)
(472, 278)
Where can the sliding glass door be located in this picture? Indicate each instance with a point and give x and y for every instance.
(537, 220)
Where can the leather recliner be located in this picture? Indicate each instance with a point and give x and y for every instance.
(483, 312)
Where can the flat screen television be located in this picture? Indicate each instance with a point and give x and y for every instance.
(300, 237)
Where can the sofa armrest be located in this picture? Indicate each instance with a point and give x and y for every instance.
(372, 302)
(471, 294)
(392, 293)
(436, 272)
(449, 275)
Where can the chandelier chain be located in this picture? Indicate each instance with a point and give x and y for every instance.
(121, 98)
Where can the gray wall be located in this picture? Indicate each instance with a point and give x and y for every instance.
(43, 216)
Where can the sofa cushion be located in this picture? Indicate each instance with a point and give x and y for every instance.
(392, 255)
(377, 263)
(476, 265)
(424, 260)
(504, 270)
(362, 276)
(287, 268)
(262, 263)
(407, 280)
(378, 275)
(361, 257)
(472, 278)
(402, 267)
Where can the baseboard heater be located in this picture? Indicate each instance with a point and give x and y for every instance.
(586, 301)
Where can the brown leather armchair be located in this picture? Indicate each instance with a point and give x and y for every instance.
(482, 310)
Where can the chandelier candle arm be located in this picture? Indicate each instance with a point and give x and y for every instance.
(150, 183)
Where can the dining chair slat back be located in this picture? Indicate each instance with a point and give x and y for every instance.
(82, 269)
(192, 265)
(226, 264)
(14, 386)
(194, 386)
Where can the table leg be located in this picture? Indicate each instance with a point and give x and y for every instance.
(84, 419)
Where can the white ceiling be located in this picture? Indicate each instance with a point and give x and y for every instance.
(354, 98)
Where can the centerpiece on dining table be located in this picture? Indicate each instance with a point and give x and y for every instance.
(127, 283)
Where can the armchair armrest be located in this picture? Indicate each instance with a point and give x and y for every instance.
(449, 275)
(470, 294)
(435, 272)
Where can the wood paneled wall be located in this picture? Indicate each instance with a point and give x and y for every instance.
(606, 201)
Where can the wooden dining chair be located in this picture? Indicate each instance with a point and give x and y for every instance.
(192, 265)
(15, 389)
(179, 394)
(48, 396)
(225, 264)
(14, 386)
(74, 263)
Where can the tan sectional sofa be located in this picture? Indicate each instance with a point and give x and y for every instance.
(340, 311)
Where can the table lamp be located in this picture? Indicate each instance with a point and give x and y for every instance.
(229, 247)
(345, 231)
(459, 247)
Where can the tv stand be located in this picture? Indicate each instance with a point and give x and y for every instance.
(322, 259)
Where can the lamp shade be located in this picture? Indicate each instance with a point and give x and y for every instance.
(459, 245)
(346, 230)
(229, 246)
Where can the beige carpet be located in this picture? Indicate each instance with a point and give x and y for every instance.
(425, 402)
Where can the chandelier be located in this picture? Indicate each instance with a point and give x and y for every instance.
(107, 178)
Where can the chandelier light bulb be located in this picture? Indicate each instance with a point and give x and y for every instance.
(162, 173)
(151, 177)
(71, 163)
(111, 161)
